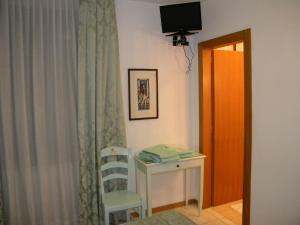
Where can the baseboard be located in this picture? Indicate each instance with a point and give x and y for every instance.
(168, 207)
(173, 206)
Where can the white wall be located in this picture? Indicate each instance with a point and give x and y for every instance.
(142, 45)
(275, 28)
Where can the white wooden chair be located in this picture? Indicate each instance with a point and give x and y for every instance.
(119, 200)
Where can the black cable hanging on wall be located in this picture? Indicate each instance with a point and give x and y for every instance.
(189, 59)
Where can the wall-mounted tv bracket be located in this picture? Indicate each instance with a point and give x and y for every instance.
(179, 38)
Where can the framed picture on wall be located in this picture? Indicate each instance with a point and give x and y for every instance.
(143, 94)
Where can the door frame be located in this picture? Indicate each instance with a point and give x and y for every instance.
(205, 121)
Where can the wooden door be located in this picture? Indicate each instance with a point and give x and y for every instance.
(228, 126)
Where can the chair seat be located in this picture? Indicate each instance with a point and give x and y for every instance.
(119, 200)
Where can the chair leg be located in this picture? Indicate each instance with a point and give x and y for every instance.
(128, 215)
(141, 212)
(106, 217)
(142, 209)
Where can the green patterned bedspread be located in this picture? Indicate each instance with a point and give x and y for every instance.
(165, 218)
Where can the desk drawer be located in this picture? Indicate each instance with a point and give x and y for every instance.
(179, 165)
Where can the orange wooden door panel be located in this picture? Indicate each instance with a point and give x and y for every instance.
(228, 125)
(207, 127)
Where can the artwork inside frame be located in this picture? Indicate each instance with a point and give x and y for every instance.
(143, 94)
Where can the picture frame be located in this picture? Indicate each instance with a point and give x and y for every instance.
(143, 94)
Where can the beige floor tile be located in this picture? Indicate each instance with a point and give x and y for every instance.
(220, 215)
(216, 214)
(227, 221)
(237, 220)
(215, 222)
(230, 214)
(205, 218)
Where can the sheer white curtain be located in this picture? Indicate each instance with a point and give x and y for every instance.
(38, 129)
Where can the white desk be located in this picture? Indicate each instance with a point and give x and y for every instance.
(183, 164)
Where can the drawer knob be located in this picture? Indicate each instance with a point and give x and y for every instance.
(177, 166)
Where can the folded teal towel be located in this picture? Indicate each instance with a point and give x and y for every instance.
(159, 153)
(149, 158)
(164, 153)
(185, 153)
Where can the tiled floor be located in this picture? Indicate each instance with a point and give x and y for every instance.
(228, 214)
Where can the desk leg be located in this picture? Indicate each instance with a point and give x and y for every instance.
(149, 200)
(200, 200)
(136, 170)
(186, 187)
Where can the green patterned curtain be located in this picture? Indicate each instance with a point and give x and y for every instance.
(100, 107)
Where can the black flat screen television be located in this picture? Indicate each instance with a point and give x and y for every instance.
(181, 17)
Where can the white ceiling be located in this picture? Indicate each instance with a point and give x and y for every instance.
(167, 1)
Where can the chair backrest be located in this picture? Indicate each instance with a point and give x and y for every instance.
(114, 151)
